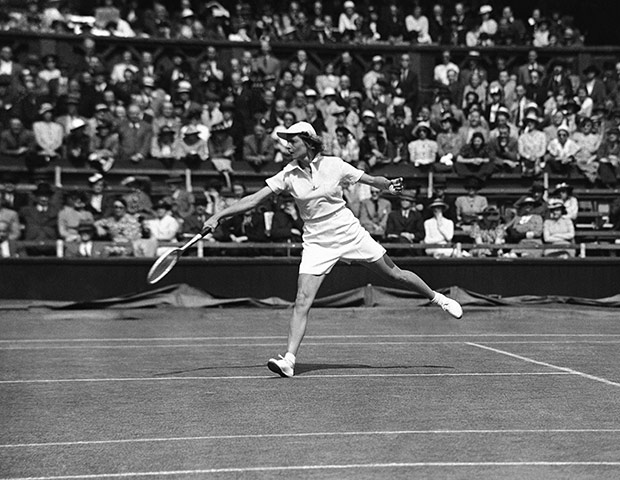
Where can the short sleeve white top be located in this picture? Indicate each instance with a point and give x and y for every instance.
(320, 193)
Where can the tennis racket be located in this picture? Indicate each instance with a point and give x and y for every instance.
(168, 260)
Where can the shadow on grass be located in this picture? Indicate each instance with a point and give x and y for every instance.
(313, 367)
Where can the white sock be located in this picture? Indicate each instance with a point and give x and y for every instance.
(290, 357)
(436, 297)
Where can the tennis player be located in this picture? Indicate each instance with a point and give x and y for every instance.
(331, 231)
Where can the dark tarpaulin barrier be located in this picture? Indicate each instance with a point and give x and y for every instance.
(182, 295)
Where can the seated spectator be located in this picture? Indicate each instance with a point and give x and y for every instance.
(423, 150)
(139, 197)
(48, 136)
(259, 148)
(488, 229)
(474, 159)
(99, 202)
(9, 196)
(438, 230)
(166, 118)
(558, 229)
(405, 224)
(564, 192)
(191, 148)
(245, 227)
(77, 144)
(532, 145)
(72, 214)
(286, 225)
(11, 219)
(104, 148)
(180, 200)
(470, 206)
(163, 228)
(502, 117)
(85, 246)
(449, 142)
(473, 125)
(374, 213)
(222, 151)
(121, 227)
(134, 137)
(40, 221)
(8, 246)
(17, 142)
(163, 146)
(345, 146)
(440, 72)
(373, 148)
(281, 145)
(609, 158)
(557, 119)
(561, 151)
(526, 229)
(417, 26)
(588, 142)
(504, 152)
(354, 194)
(193, 223)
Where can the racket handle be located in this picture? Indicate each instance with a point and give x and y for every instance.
(205, 231)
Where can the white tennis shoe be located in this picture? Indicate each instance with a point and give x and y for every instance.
(448, 305)
(281, 366)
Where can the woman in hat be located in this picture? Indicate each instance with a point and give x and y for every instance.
(104, 147)
(558, 229)
(373, 147)
(561, 152)
(449, 142)
(609, 158)
(190, 147)
(162, 146)
(532, 145)
(588, 142)
(331, 231)
(564, 192)
(222, 151)
(488, 230)
(526, 229)
(72, 214)
(438, 230)
(48, 134)
(474, 159)
(470, 206)
(77, 144)
(422, 150)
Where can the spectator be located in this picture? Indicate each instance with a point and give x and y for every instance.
(515, 28)
(48, 136)
(345, 146)
(246, 227)
(588, 142)
(373, 148)
(502, 118)
(474, 159)
(609, 158)
(440, 72)
(134, 137)
(222, 151)
(193, 223)
(503, 151)
(104, 147)
(417, 26)
(9, 196)
(526, 229)
(121, 227)
(68, 120)
(347, 21)
(180, 200)
(473, 125)
(8, 246)
(406, 224)
(488, 229)
(469, 207)
(449, 142)
(558, 229)
(163, 146)
(374, 213)
(10, 219)
(423, 150)
(138, 200)
(286, 225)
(99, 202)
(438, 25)
(77, 144)
(532, 145)
(438, 230)
(564, 192)
(391, 26)
(40, 221)
(72, 214)
(258, 148)
(85, 246)
(561, 152)
(551, 131)
(408, 82)
(191, 148)
(163, 228)
(215, 201)
(17, 142)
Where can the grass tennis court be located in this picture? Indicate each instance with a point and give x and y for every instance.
(509, 393)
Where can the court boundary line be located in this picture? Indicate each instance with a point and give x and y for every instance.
(545, 364)
(268, 377)
(320, 467)
(309, 435)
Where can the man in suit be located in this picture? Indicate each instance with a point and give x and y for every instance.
(10, 218)
(523, 72)
(135, 137)
(9, 196)
(40, 221)
(178, 197)
(8, 247)
(259, 148)
(374, 214)
(193, 223)
(406, 224)
(85, 247)
(408, 82)
(594, 86)
(266, 63)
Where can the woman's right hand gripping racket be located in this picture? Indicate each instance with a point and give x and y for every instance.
(168, 260)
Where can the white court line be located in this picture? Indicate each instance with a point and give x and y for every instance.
(297, 377)
(311, 435)
(323, 467)
(308, 337)
(545, 364)
(279, 344)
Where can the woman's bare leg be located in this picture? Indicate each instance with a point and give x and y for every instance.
(386, 268)
(307, 288)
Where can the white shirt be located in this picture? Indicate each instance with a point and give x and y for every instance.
(164, 229)
(321, 193)
(86, 249)
(4, 249)
(436, 234)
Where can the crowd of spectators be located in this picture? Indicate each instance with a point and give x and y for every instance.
(486, 115)
(302, 21)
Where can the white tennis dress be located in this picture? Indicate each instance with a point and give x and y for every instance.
(331, 231)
